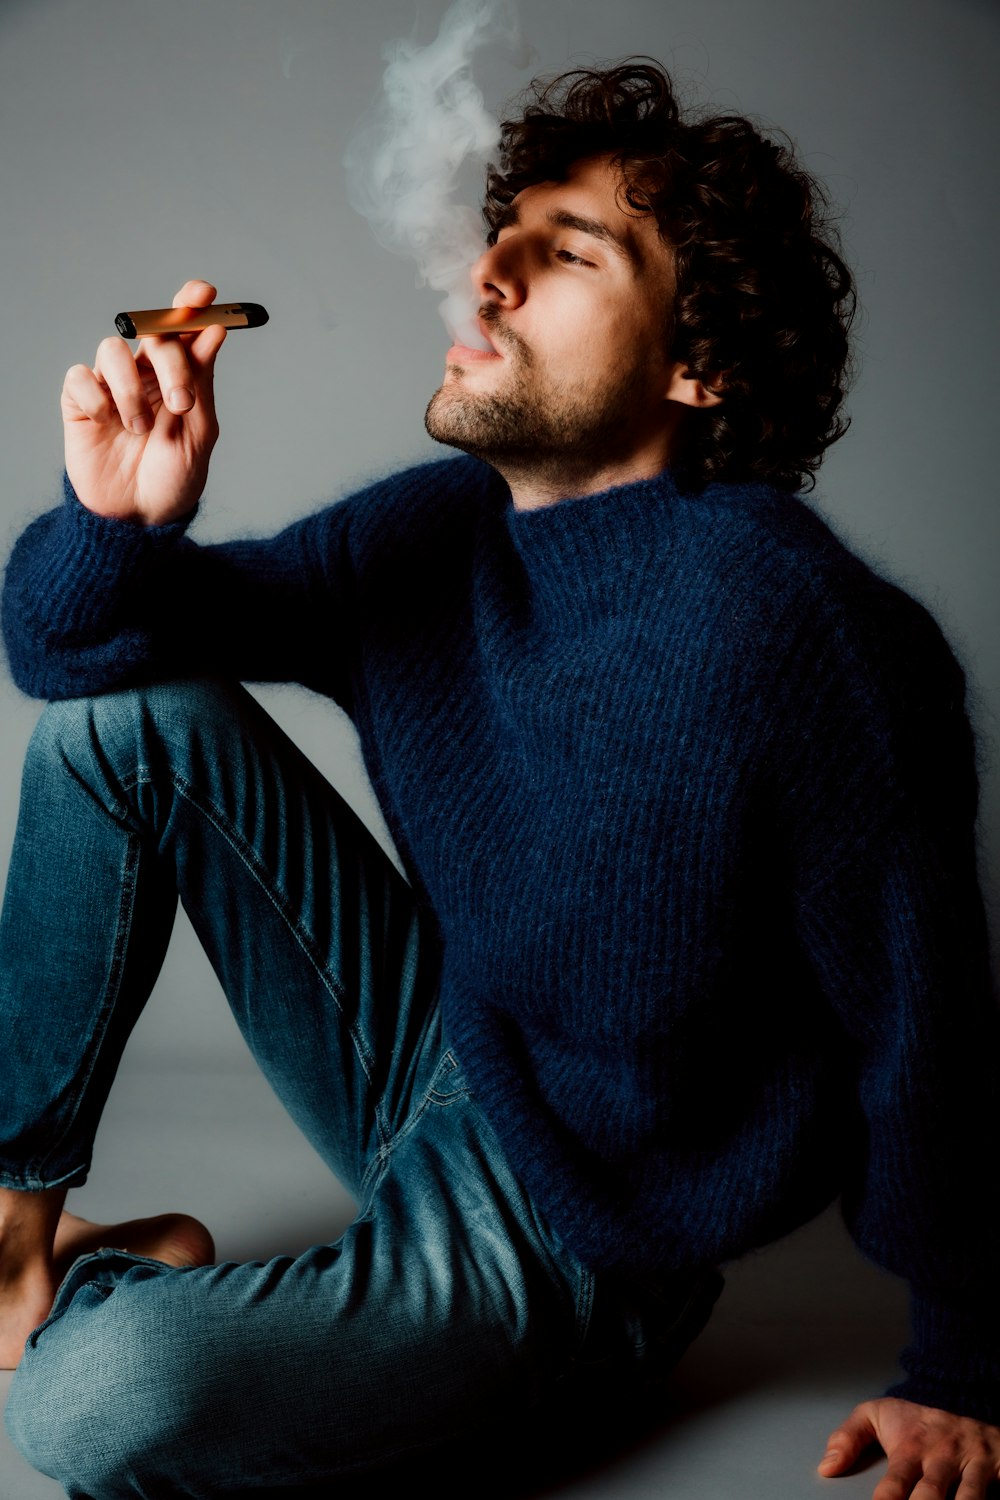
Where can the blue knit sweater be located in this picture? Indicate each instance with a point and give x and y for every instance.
(690, 791)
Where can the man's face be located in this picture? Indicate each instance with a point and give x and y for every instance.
(575, 297)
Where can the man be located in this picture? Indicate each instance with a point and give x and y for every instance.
(692, 941)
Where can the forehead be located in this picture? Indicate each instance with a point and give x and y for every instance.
(594, 190)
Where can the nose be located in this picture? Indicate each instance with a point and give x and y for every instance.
(498, 277)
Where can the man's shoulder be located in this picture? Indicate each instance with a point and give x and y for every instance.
(790, 543)
(803, 586)
(412, 533)
(779, 531)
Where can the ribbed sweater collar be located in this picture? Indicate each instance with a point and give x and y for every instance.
(581, 553)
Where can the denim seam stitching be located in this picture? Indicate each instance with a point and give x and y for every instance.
(104, 802)
(584, 1306)
(281, 905)
(118, 815)
(111, 990)
(440, 1101)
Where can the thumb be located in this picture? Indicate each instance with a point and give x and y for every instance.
(846, 1444)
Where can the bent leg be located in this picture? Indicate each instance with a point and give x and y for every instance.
(192, 787)
(446, 1302)
(447, 1306)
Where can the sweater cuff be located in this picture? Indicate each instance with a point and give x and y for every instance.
(953, 1359)
(97, 552)
(86, 516)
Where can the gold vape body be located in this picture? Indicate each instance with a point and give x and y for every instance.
(143, 324)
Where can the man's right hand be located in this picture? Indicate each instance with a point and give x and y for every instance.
(140, 428)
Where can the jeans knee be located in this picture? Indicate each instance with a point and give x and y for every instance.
(105, 717)
(61, 725)
(99, 1400)
(87, 746)
(74, 732)
(112, 741)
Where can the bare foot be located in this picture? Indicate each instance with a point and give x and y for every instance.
(26, 1298)
(176, 1239)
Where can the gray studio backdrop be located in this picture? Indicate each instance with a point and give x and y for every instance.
(148, 141)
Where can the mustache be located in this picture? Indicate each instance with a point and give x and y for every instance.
(490, 315)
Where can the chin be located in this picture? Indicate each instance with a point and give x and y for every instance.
(436, 416)
(455, 418)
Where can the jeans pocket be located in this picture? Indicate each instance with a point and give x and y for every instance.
(448, 1081)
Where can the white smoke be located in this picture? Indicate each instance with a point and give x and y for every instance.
(403, 164)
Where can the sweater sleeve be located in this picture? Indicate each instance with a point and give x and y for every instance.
(891, 916)
(91, 604)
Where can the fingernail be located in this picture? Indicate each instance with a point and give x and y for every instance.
(831, 1456)
(140, 425)
(180, 398)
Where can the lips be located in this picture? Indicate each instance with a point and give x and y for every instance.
(503, 340)
(484, 330)
(483, 347)
(465, 354)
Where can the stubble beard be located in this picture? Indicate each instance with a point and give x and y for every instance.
(532, 430)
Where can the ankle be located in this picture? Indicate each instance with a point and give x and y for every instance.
(27, 1229)
(29, 1280)
(22, 1255)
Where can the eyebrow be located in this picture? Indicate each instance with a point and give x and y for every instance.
(561, 218)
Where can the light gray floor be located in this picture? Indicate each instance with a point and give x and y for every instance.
(802, 1332)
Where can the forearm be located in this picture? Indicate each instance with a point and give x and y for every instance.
(92, 604)
(70, 621)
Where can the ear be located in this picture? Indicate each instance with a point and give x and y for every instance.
(687, 389)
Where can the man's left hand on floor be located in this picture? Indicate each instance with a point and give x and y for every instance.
(929, 1451)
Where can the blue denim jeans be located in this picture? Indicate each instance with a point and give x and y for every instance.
(447, 1304)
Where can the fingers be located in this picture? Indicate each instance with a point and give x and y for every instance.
(202, 347)
(172, 366)
(846, 1444)
(184, 366)
(205, 346)
(129, 388)
(195, 294)
(910, 1479)
(976, 1481)
(113, 391)
(904, 1481)
(137, 397)
(930, 1451)
(85, 397)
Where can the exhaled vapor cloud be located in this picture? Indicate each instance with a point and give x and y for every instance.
(403, 163)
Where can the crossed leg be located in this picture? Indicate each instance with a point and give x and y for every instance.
(447, 1296)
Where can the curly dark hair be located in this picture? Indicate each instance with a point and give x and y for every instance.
(763, 303)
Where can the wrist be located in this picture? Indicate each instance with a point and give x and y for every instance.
(135, 520)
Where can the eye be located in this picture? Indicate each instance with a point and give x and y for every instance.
(569, 258)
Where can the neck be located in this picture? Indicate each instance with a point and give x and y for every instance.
(536, 480)
(533, 491)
